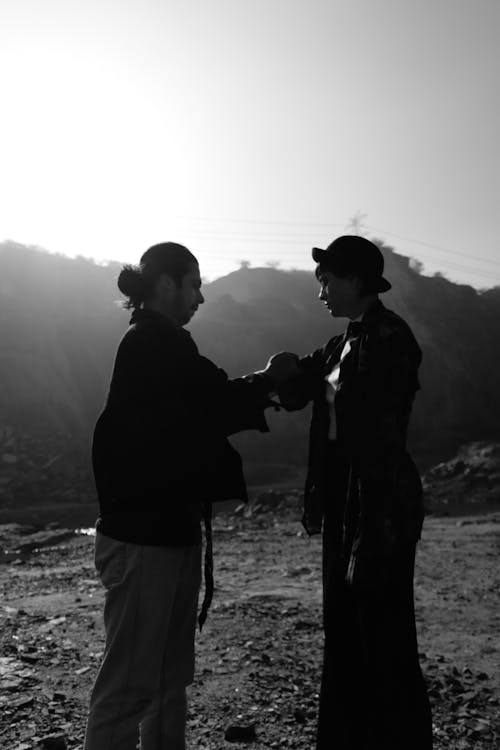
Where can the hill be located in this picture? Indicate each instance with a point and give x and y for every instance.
(60, 324)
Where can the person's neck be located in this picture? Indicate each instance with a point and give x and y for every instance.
(159, 308)
(363, 306)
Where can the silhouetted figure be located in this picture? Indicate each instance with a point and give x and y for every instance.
(160, 457)
(364, 493)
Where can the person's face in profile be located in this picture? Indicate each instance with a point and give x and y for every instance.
(188, 296)
(340, 295)
(179, 302)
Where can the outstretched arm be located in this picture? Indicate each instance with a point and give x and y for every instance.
(232, 405)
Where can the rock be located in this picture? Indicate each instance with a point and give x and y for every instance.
(237, 733)
(52, 623)
(471, 478)
(9, 458)
(53, 742)
(35, 468)
(300, 716)
(45, 539)
(29, 658)
(22, 702)
(271, 498)
(301, 571)
(82, 670)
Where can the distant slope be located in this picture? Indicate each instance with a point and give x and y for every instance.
(60, 325)
(253, 312)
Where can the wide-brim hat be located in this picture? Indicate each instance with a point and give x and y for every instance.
(353, 255)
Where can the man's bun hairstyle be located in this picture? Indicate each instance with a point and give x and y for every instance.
(133, 284)
(137, 283)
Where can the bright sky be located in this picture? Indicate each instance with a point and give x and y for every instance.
(253, 129)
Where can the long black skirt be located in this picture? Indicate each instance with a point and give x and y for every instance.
(373, 695)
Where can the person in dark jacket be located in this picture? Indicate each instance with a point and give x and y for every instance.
(160, 457)
(364, 493)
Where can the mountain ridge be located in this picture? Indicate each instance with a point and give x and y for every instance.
(61, 321)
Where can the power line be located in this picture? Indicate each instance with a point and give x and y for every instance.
(436, 247)
(282, 238)
(222, 234)
(267, 258)
(294, 254)
(265, 222)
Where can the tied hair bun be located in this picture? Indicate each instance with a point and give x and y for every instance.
(130, 281)
(132, 284)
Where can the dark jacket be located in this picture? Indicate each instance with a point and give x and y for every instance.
(382, 498)
(160, 446)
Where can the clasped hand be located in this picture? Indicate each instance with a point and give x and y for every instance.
(282, 367)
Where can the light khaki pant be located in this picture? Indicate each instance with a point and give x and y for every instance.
(150, 620)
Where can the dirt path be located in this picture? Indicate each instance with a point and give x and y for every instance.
(259, 655)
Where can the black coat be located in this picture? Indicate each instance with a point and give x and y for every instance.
(160, 446)
(382, 498)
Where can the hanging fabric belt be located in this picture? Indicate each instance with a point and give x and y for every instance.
(209, 564)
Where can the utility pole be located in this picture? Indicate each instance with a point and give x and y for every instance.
(355, 223)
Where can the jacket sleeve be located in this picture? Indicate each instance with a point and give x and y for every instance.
(187, 391)
(385, 389)
(229, 405)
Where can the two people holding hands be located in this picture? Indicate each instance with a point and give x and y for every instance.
(161, 456)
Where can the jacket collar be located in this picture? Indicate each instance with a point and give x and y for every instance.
(153, 317)
(369, 316)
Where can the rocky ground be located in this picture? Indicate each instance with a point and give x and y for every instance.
(471, 478)
(259, 656)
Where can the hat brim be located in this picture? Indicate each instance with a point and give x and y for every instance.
(384, 285)
(320, 255)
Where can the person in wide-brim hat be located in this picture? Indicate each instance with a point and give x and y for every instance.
(363, 493)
